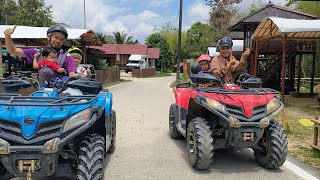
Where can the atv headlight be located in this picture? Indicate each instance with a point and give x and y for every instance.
(273, 105)
(76, 120)
(216, 105)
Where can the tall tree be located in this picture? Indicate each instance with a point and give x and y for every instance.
(170, 33)
(256, 6)
(8, 8)
(123, 38)
(105, 39)
(307, 6)
(198, 38)
(156, 40)
(26, 12)
(222, 13)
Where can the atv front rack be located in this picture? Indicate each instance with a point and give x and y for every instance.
(255, 91)
(16, 100)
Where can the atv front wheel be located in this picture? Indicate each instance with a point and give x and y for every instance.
(126, 70)
(113, 132)
(91, 157)
(272, 147)
(3, 170)
(174, 133)
(200, 144)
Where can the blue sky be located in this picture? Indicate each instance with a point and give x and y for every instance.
(138, 18)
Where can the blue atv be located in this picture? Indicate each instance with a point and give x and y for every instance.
(64, 131)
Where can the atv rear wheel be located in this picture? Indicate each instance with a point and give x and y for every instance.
(126, 70)
(113, 132)
(200, 143)
(272, 147)
(174, 133)
(91, 157)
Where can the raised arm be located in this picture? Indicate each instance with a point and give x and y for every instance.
(35, 61)
(11, 48)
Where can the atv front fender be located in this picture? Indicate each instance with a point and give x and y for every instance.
(108, 105)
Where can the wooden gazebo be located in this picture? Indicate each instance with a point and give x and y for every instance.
(267, 63)
(284, 30)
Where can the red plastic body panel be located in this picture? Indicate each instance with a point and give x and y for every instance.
(246, 101)
(182, 96)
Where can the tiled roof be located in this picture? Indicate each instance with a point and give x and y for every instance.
(122, 48)
(154, 53)
(271, 11)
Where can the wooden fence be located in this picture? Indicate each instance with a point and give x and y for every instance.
(140, 73)
(107, 76)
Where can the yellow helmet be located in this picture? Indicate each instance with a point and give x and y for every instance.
(75, 50)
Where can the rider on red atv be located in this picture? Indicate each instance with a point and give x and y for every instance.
(225, 65)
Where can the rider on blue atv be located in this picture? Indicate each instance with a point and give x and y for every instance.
(56, 35)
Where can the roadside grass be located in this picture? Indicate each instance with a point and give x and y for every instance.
(183, 79)
(300, 137)
(117, 82)
(159, 74)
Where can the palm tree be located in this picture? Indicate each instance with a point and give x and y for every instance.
(123, 38)
(105, 39)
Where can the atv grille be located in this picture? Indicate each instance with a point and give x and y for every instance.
(237, 112)
(11, 132)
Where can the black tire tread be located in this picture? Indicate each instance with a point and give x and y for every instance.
(114, 132)
(91, 158)
(174, 133)
(278, 147)
(204, 142)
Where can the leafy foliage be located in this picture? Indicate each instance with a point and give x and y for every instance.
(221, 15)
(105, 39)
(198, 38)
(256, 6)
(123, 38)
(156, 40)
(26, 12)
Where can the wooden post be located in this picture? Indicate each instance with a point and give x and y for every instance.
(255, 68)
(313, 73)
(299, 73)
(1, 70)
(283, 77)
(283, 69)
(316, 134)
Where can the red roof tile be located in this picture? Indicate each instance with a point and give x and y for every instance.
(154, 53)
(122, 48)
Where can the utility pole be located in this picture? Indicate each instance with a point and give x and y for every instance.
(179, 43)
(84, 14)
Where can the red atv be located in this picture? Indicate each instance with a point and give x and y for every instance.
(228, 116)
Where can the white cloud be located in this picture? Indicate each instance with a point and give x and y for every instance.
(107, 17)
(197, 11)
(159, 3)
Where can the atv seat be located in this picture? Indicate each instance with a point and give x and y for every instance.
(206, 78)
(85, 85)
